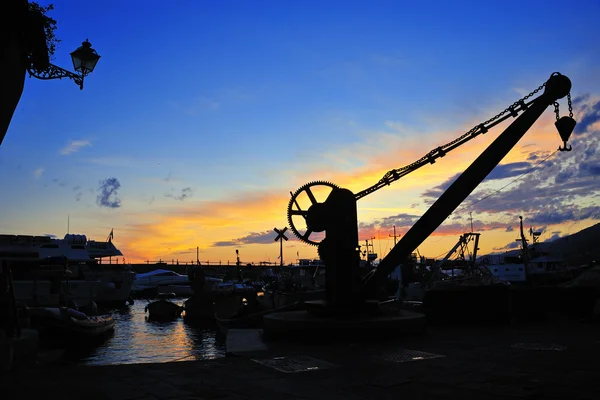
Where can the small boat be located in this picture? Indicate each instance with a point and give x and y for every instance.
(63, 320)
(200, 307)
(163, 310)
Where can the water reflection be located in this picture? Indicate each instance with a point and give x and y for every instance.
(138, 340)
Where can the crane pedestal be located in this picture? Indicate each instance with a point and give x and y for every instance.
(345, 313)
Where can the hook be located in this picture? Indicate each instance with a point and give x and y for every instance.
(565, 147)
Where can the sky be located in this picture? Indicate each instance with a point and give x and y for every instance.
(202, 116)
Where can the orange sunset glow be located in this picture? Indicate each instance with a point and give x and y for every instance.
(190, 146)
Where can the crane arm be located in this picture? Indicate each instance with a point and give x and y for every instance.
(558, 86)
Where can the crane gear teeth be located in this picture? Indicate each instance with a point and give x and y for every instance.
(293, 202)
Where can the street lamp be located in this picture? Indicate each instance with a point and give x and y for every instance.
(84, 59)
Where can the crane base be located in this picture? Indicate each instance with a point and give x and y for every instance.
(307, 327)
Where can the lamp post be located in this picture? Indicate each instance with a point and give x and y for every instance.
(84, 59)
(24, 48)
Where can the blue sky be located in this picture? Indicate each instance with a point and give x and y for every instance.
(207, 114)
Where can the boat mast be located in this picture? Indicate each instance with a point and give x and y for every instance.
(524, 245)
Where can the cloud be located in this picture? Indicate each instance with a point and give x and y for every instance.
(209, 224)
(108, 196)
(266, 237)
(509, 246)
(74, 146)
(501, 171)
(562, 188)
(508, 170)
(78, 192)
(591, 114)
(398, 220)
(190, 251)
(555, 235)
(556, 215)
(38, 172)
(549, 194)
(185, 193)
(59, 182)
(589, 169)
(454, 226)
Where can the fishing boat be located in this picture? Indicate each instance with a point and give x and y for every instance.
(163, 310)
(63, 321)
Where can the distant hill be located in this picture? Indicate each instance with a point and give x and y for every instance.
(579, 248)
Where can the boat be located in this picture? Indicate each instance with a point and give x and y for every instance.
(200, 307)
(532, 264)
(522, 284)
(308, 273)
(163, 310)
(83, 258)
(159, 277)
(118, 277)
(50, 282)
(62, 321)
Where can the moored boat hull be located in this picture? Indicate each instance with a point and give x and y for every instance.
(163, 310)
(68, 322)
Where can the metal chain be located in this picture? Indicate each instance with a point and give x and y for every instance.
(570, 105)
(556, 107)
(470, 132)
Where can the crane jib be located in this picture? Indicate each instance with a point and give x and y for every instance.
(558, 86)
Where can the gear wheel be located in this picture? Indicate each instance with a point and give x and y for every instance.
(294, 210)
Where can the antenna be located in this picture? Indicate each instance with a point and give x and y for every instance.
(68, 223)
(394, 235)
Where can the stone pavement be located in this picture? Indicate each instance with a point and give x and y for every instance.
(543, 361)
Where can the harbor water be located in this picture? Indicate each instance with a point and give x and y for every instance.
(137, 340)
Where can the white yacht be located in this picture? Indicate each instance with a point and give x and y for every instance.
(89, 280)
(158, 277)
(46, 281)
(117, 278)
